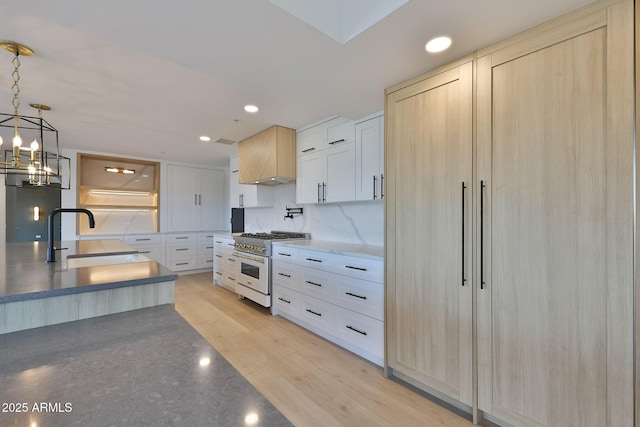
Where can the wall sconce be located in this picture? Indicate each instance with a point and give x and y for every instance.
(36, 213)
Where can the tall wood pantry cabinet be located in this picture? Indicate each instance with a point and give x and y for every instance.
(510, 225)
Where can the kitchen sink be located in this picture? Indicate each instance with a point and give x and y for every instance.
(91, 261)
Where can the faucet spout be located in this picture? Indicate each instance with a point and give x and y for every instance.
(51, 250)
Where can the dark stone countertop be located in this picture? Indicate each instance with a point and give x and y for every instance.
(25, 274)
(144, 367)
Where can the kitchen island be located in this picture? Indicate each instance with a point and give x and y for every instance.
(140, 368)
(35, 293)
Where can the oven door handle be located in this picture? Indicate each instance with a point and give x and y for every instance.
(252, 258)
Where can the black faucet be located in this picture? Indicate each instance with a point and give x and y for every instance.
(51, 250)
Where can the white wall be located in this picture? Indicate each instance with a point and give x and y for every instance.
(353, 222)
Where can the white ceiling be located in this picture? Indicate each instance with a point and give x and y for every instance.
(146, 78)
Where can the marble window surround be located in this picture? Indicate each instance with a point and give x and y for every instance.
(136, 368)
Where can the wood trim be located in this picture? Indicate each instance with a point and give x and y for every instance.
(443, 69)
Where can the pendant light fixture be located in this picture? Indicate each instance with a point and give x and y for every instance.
(32, 164)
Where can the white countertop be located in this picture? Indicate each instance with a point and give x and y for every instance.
(224, 233)
(339, 248)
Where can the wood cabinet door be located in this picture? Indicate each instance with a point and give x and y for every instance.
(429, 306)
(555, 156)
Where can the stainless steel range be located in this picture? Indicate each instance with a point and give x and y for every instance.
(253, 269)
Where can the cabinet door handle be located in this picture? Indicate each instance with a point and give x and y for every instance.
(284, 300)
(241, 200)
(355, 268)
(283, 254)
(235, 171)
(285, 275)
(313, 259)
(199, 199)
(324, 192)
(355, 295)
(182, 263)
(313, 312)
(195, 199)
(142, 240)
(382, 186)
(314, 283)
(463, 278)
(318, 192)
(374, 187)
(356, 330)
(337, 141)
(308, 149)
(482, 186)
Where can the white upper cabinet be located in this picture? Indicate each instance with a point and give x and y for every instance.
(326, 161)
(369, 159)
(247, 195)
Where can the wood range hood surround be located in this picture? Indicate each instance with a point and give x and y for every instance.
(268, 157)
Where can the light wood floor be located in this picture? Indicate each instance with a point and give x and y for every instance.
(311, 381)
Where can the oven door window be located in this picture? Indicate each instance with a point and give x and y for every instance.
(250, 270)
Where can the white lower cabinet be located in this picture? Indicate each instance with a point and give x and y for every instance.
(181, 251)
(224, 264)
(150, 245)
(339, 297)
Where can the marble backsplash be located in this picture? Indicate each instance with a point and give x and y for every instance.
(353, 222)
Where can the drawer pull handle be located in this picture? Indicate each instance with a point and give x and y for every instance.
(218, 241)
(218, 273)
(355, 268)
(209, 260)
(182, 263)
(142, 240)
(356, 330)
(285, 275)
(284, 300)
(144, 252)
(219, 256)
(231, 259)
(314, 260)
(308, 149)
(314, 283)
(283, 254)
(182, 238)
(354, 295)
(336, 141)
(230, 278)
(313, 312)
(182, 249)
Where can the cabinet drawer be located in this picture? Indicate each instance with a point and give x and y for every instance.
(287, 275)
(361, 331)
(183, 238)
(144, 239)
(319, 314)
(181, 252)
(205, 248)
(361, 268)
(184, 264)
(313, 259)
(205, 237)
(284, 253)
(317, 283)
(154, 252)
(222, 240)
(205, 262)
(361, 296)
(286, 301)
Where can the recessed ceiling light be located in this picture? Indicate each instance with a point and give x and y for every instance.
(438, 44)
(205, 138)
(250, 108)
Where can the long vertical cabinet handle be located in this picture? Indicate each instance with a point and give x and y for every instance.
(463, 278)
(318, 192)
(482, 187)
(375, 179)
(324, 192)
(381, 186)
(195, 199)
